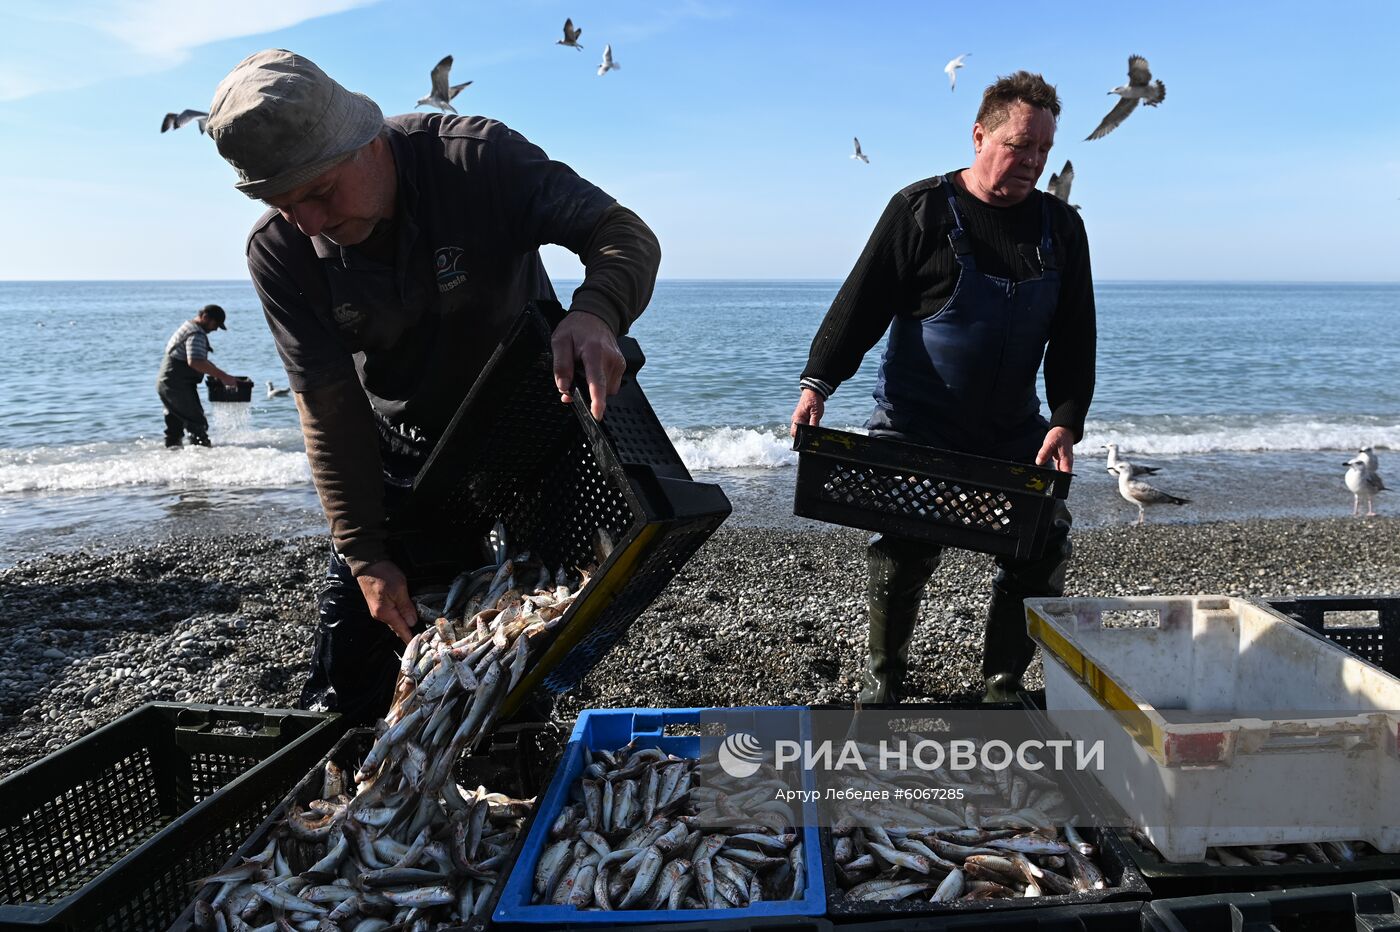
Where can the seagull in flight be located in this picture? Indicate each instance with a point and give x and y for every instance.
(608, 64)
(951, 70)
(177, 120)
(1134, 470)
(1059, 186)
(1363, 480)
(277, 392)
(441, 95)
(859, 154)
(1140, 87)
(570, 36)
(1139, 493)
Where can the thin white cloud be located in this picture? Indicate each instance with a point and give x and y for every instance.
(54, 47)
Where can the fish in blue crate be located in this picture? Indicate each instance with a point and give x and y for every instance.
(650, 830)
(395, 841)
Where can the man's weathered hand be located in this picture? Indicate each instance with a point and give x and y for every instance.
(386, 592)
(1057, 450)
(586, 339)
(810, 408)
(228, 380)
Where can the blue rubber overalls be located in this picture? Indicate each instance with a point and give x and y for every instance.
(963, 379)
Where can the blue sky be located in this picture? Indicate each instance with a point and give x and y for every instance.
(1276, 155)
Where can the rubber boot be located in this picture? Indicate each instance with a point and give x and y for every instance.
(200, 440)
(1008, 649)
(898, 569)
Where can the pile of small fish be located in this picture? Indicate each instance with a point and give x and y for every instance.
(408, 847)
(1324, 852)
(1006, 837)
(649, 830)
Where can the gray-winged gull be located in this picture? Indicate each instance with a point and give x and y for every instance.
(859, 154)
(570, 36)
(1134, 470)
(177, 120)
(1140, 87)
(442, 93)
(1141, 494)
(277, 392)
(1059, 183)
(1364, 481)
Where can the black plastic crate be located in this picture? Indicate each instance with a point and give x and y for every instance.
(555, 478)
(219, 392)
(955, 499)
(1127, 883)
(1167, 878)
(108, 832)
(1095, 917)
(756, 924)
(1363, 907)
(518, 761)
(1376, 644)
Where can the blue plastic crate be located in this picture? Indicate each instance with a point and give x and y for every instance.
(609, 729)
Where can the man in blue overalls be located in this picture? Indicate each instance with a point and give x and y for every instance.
(977, 276)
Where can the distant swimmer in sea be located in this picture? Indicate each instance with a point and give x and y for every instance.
(182, 368)
(1139, 493)
(1364, 481)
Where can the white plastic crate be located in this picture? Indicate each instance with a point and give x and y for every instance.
(1232, 724)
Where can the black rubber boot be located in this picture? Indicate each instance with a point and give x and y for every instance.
(200, 440)
(898, 569)
(1008, 649)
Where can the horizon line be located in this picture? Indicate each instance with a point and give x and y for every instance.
(682, 280)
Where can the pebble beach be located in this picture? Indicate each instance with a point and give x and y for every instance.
(759, 617)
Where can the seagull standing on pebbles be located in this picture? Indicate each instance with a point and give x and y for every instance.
(1363, 480)
(1140, 87)
(441, 95)
(277, 392)
(1141, 494)
(951, 70)
(608, 64)
(570, 36)
(177, 120)
(1133, 469)
(859, 154)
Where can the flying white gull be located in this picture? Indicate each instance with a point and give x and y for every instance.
(951, 70)
(441, 95)
(1134, 470)
(277, 392)
(608, 64)
(177, 120)
(1140, 87)
(570, 36)
(1059, 186)
(859, 154)
(1141, 494)
(1363, 480)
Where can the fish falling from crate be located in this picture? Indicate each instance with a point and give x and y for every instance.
(1137, 492)
(398, 840)
(649, 830)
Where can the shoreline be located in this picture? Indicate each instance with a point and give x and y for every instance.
(760, 616)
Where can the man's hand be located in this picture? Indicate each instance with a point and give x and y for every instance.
(386, 592)
(810, 408)
(228, 380)
(586, 339)
(1057, 450)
